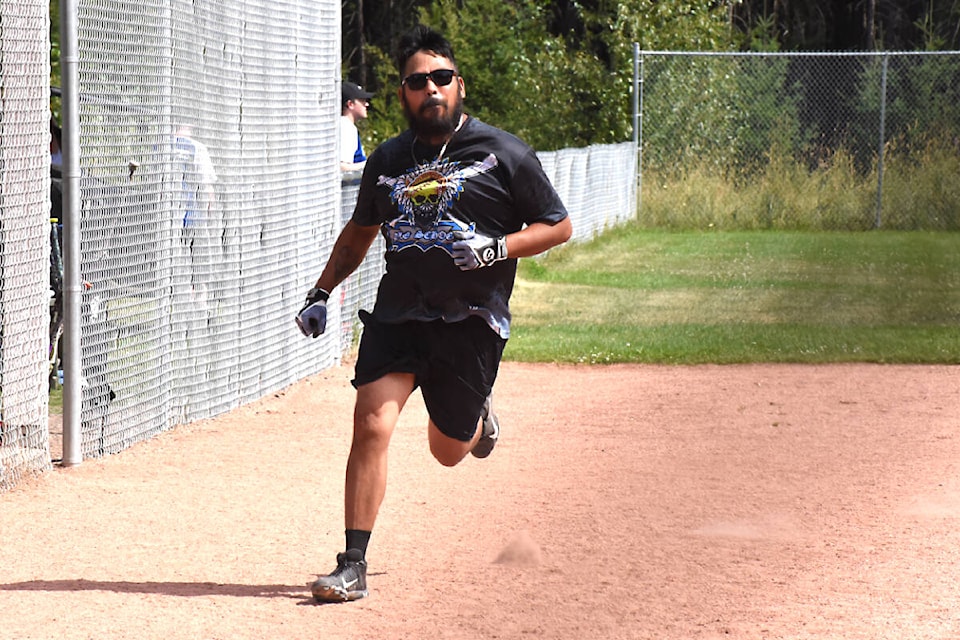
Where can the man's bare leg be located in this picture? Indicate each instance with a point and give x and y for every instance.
(375, 416)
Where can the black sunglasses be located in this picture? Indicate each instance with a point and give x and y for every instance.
(440, 77)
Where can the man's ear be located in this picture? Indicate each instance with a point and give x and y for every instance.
(463, 90)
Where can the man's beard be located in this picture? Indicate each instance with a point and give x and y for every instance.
(426, 127)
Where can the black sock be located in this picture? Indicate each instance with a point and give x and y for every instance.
(357, 539)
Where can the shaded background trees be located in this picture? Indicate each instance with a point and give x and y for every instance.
(866, 25)
(559, 73)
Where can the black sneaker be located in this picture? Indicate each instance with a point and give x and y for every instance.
(347, 582)
(490, 433)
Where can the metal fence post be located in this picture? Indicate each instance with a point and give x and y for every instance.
(880, 149)
(638, 122)
(72, 290)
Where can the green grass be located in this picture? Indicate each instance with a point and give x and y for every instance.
(635, 295)
(56, 400)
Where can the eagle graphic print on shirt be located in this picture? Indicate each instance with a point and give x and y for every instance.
(425, 195)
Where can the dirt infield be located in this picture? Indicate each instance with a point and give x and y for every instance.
(622, 502)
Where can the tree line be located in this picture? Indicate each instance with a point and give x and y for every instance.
(559, 73)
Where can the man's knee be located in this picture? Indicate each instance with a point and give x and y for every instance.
(447, 457)
(372, 430)
(447, 451)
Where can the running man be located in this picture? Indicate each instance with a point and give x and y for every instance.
(458, 201)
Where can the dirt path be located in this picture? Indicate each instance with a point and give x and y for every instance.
(622, 502)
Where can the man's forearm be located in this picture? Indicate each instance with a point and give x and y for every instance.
(537, 238)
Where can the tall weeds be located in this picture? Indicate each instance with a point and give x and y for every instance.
(921, 190)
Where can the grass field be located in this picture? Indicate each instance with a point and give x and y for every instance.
(635, 295)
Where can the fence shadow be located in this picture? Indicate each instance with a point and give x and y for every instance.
(181, 589)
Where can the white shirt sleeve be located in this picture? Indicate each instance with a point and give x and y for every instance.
(348, 139)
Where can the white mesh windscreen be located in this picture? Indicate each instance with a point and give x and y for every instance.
(597, 184)
(24, 237)
(210, 197)
(359, 290)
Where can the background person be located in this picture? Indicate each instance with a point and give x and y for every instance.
(458, 202)
(196, 175)
(353, 109)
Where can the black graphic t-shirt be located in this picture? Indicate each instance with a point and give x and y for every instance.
(487, 181)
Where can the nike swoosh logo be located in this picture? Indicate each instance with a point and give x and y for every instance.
(347, 585)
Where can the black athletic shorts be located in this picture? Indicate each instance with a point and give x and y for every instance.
(455, 365)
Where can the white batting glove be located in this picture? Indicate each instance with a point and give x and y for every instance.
(474, 250)
(312, 318)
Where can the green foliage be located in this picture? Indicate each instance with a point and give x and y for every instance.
(939, 25)
(55, 55)
(385, 117)
(55, 42)
(827, 25)
(674, 25)
(688, 114)
(760, 36)
(921, 185)
(725, 112)
(502, 78)
(922, 96)
(764, 98)
(523, 79)
(553, 89)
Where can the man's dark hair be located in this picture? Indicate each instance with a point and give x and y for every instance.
(423, 38)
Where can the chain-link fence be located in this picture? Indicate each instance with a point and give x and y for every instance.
(800, 140)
